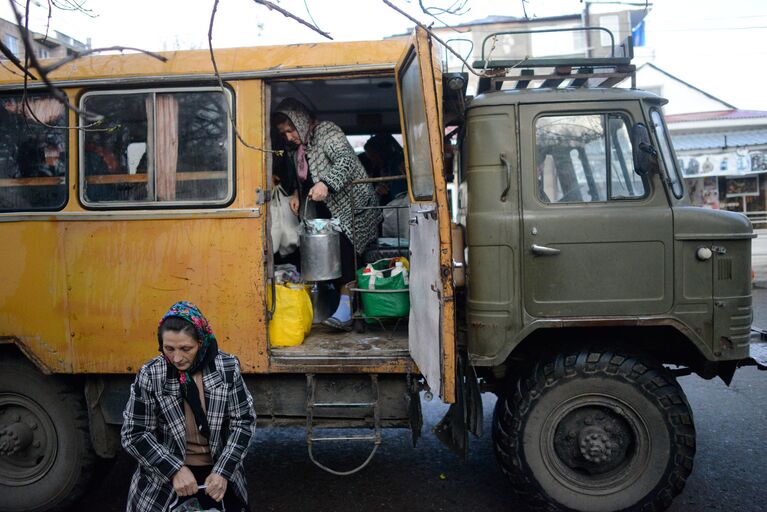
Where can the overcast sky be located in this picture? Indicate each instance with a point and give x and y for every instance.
(718, 46)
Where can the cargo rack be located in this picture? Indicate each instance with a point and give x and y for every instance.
(560, 71)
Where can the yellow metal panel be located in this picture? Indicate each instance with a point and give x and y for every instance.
(33, 305)
(123, 275)
(85, 296)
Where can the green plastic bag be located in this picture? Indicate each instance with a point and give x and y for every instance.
(385, 274)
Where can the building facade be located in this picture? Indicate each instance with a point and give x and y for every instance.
(54, 45)
(721, 150)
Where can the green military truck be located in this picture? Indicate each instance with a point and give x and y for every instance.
(592, 282)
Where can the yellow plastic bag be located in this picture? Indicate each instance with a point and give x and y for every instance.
(293, 314)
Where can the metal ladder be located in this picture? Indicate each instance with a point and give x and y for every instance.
(311, 403)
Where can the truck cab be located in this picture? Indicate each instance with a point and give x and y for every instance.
(591, 281)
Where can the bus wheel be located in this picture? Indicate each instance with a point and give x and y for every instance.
(596, 431)
(45, 451)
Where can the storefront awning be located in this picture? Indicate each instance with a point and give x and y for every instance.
(719, 140)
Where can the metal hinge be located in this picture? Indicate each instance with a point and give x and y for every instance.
(263, 196)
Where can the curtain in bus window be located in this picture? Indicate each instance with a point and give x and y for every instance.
(33, 153)
(166, 153)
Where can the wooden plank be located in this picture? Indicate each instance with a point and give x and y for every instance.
(108, 179)
(579, 82)
(32, 182)
(621, 73)
(522, 84)
(560, 73)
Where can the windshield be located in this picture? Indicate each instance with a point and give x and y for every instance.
(667, 154)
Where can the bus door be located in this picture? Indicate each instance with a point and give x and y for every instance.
(432, 309)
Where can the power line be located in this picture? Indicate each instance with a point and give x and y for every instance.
(705, 29)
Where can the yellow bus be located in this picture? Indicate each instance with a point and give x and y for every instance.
(107, 225)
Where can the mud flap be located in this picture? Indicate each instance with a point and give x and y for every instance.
(414, 409)
(465, 415)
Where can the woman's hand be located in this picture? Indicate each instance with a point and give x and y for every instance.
(294, 203)
(318, 192)
(184, 482)
(216, 486)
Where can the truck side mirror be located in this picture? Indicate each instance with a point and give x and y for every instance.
(644, 154)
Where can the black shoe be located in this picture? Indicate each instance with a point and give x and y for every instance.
(335, 323)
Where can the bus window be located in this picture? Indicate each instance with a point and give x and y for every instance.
(157, 147)
(33, 153)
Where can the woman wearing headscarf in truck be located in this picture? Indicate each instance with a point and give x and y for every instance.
(326, 165)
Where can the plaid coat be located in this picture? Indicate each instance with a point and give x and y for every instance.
(332, 160)
(154, 432)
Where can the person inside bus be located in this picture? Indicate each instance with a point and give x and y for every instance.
(387, 160)
(326, 165)
(189, 420)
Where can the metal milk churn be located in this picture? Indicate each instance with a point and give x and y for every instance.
(320, 253)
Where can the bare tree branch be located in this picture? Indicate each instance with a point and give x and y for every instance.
(10, 70)
(7, 53)
(306, 6)
(31, 61)
(73, 5)
(433, 35)
(223, 89)
(56, 65)
(457, 8)
(524, 10)
(287, 14)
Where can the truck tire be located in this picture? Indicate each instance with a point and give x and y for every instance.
(595, 431)
(45, 450)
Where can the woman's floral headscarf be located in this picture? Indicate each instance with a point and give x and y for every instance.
(205, 355)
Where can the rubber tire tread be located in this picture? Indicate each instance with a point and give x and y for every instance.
(651, 378)
(66, 406)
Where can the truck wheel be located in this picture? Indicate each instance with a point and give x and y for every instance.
(596, 431)
(45, 450)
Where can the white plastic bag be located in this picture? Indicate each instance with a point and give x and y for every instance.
(284, 223)
(396, 218)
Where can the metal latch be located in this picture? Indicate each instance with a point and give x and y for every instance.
(263, 196)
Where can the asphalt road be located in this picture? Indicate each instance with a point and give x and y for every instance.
(731, 425)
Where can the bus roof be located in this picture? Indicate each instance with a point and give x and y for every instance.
(301, 59)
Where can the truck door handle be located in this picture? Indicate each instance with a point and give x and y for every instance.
(541, 250)
(506, 163)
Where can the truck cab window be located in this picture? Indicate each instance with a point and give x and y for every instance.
(669, 162)
(624, 182)
(573, 159)
(33, 153)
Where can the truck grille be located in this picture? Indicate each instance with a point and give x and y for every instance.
(724, 269)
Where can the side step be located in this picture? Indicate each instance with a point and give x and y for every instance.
(311, 404)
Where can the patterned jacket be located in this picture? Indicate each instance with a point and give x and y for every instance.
(154, 431)
(332, 160)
